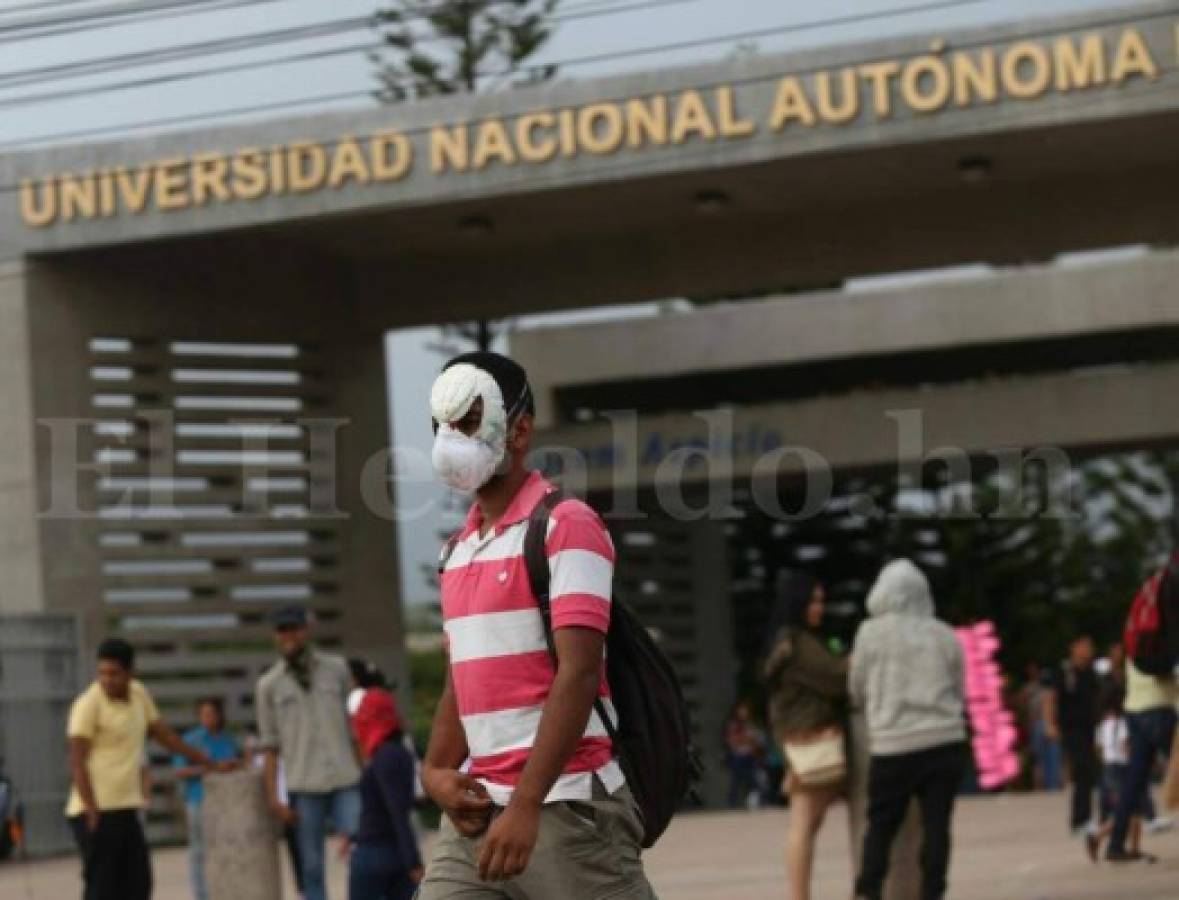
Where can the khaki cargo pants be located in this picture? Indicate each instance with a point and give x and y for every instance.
(586, 850)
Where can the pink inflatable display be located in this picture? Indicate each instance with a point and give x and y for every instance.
(993, 725)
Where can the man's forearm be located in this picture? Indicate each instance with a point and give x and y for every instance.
(81, 776)
(270, 775)
(448, 742)
(170, 740)
(562, 726)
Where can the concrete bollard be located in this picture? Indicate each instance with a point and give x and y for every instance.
(241, 848)
(904, 867)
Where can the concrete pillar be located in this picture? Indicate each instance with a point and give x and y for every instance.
(20, 555)
(241, 844)
(904, 870)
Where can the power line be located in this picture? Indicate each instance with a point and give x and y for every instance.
(704, 85)
(145, 11)
(171, 78)
(101, 13)
(44, 4)
(160, 55)
(189, 117)
(183, 51)
(172, 9)
(301, 57)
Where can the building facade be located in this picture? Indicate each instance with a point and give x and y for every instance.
(192, 409)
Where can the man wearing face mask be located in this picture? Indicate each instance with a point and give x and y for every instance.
(536, 805)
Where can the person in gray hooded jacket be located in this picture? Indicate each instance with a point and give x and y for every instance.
(907, 674)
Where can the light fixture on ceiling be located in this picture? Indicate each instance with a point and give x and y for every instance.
(975, 169)
(710, 202)
(476, 226)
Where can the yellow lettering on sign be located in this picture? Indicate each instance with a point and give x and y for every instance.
(880, 76)
(38, 202)
(171, 184)
(134, 188)
(567, 131)
(535, 149)
(306, 166)
(1079, 67)
(791, 105)
(975, 77)
(925, 84)
(449, 148)
(348, 164)
(1132, 58)
(1027, 70)
(392, 155)
(600, 128)
(492, 142)
(691, 117)
(249, 174)
(647, 121)
(278, 170)
(209, 173)
(731, 124)
(79, 197)
(106, 194)
(848, 106)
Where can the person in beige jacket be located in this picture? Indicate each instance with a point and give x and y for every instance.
(807, 686)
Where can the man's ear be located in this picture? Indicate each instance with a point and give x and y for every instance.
(522, 433)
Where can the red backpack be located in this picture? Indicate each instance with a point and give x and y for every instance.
(1150, 636)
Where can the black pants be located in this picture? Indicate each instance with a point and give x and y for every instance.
(933, 777)
(115, 862)
(1086, 774)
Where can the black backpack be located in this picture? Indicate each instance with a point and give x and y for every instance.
(652, 740)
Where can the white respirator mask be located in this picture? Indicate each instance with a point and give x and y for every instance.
(467, 462)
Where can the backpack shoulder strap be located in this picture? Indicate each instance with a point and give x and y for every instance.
(447, 551)
(536, 561)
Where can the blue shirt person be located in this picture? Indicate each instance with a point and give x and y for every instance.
(211, 737)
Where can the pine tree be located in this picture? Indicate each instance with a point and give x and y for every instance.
(459, 46)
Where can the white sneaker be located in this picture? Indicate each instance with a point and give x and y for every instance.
(1159, 824)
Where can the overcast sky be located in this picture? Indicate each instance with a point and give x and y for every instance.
(412, 364)
(673, 22)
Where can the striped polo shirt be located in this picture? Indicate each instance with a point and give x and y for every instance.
(500, 666)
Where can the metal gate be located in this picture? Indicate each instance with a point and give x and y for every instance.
(39, 677)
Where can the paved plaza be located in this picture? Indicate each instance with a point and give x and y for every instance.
(1008, 848)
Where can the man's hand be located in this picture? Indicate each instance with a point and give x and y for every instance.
(416, 875)
(223, 768)
(462, 798)
(92, 817)
(509, 842)
(283, 812)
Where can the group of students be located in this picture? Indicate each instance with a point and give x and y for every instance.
(537, 800)
(1115, 730)
(110, 721)
(905, 676)
(521, 762)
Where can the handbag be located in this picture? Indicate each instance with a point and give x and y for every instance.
(818, 760)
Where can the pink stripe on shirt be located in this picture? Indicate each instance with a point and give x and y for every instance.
(500, 665)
